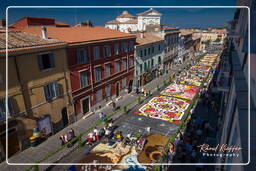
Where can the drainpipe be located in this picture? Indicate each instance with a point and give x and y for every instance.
(89, 54)
(21, 85)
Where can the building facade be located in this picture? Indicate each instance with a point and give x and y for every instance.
(128, 23)
(100, 61)
(149, 55)
(234, 83)
(39, 90)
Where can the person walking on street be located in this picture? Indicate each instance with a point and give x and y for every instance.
(101, 115)
(96, 134)
(62, 140)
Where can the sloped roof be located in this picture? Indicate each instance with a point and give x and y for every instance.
(61, 24)
(135, 21)
(113, 22)
(22, 40)
(149, 11)
(185, 32)
(79, 34)
(148, 38)
(125, 14)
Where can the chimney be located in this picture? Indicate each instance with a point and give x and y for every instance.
(142, 34)
(2, 23)
(44, 32)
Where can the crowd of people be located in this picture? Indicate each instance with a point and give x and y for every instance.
(198, 130)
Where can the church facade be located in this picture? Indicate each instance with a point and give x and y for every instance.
(128, 23)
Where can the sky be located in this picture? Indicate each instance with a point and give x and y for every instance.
(183, 18)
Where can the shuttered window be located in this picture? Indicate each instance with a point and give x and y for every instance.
(82, 56)
(124, 47)
(51, 91)
(116, 48)
(107, 70)
(3, 110)
(99, 95)
(97, 74)
(124, 64)
(108, 91)
(84, 79)
(96, 53)
(107, 51)
(45, 61)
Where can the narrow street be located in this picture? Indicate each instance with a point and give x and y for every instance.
(130, 123)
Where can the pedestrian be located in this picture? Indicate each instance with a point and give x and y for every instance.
(110, 125)
(96, 134)
(101, 115)
(62, 140)
(90, 138)
(72, 133)
(66, 138)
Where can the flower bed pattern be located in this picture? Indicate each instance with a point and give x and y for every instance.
(165, 108)
(186, 92)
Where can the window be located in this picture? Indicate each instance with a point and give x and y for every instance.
(99, 95)
(117, 66)
(84, 79)
(148, 64)
(152, 62)
(3, 111)
(124, 82)
(45, 61)
(153, 49)
(124, 64)
(145, 66)
(82, 56)
(159, 60)
(159, 47)
(108, 90)
(141, 53)
(124, 47)
(107, 70)
(51, 91)
(149, 51)
(116, 48)
(131, 46)
(96, 53)
(107, 51)
(141, 68)
(97, 74)
(145, 52)
(130, 62)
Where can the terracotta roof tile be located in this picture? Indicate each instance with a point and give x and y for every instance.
(57, 23)
(147, 39)
(17, 39)
(113, 22)
(78, 34)
(125, 14)
(186, 32)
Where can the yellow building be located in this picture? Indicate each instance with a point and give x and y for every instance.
(39, 91)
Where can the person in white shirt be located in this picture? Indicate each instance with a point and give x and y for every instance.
(90, 138)
(96, 134)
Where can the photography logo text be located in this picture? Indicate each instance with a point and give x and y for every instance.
(222, 150)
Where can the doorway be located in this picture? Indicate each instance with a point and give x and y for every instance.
(86, 105)
(64, 114)
(130, 86)
(117, 89)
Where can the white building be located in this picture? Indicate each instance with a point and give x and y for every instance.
(129, 23)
